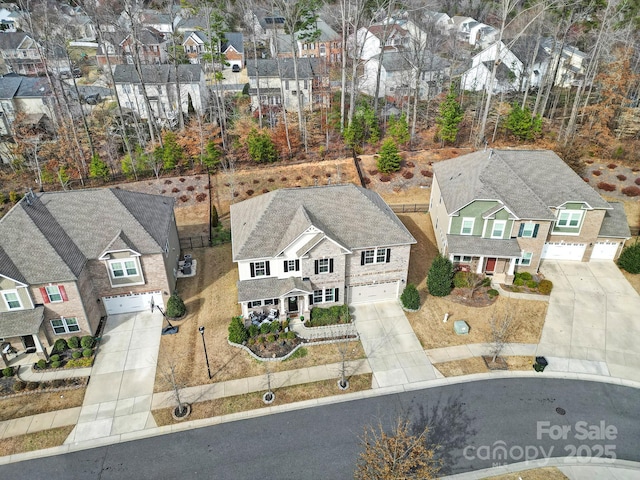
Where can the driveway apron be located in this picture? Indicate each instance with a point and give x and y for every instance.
(592, 320)
(118, 397)
(393, 350)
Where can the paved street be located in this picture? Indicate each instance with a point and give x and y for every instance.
(323, 442)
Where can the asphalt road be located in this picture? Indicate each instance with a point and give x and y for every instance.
(476, 425)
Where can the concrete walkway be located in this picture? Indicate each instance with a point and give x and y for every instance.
(118, 397)
(393, 350)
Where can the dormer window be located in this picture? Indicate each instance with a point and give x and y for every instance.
(126, 268)
(569, 221)
(12, 300)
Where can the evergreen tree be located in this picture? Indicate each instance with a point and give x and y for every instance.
(237, 332)
(398, 129)
(98, 168)
(261, 147)
(440, 278)
(212, 156)
(410, 297)
(522, 124)
(175, 306)
(630, 258)
(451, 114)
(172, 153)
(389, 158)
(363, 128)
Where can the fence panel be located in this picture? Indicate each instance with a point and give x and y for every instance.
(194, 242)
(410, 207)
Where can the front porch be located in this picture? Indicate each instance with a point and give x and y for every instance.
(274, 299)
(24, 339)
(484, 256)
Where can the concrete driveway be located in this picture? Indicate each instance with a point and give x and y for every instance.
(592, 319)
(394, 352)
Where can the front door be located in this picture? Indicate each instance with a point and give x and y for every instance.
(293, 304)
(490, 267)
(29, 343)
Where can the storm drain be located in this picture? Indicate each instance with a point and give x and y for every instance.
(560, 411)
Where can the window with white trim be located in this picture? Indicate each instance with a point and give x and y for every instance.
(369, 256)
(53, 292)
(123, 268)
(65, 325)
(323, 265)
(467, 226)
(525, 259)
(12, 300)
(291, 266)
(255, 303)
(317, 296)
(569, 219)
(497, 231)
(328, 295)
(260, 269)
(381, 255)
(528, 229)
(375, 255)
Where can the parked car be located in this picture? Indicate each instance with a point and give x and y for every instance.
(235, 68)
(76, 73)
(93, 99)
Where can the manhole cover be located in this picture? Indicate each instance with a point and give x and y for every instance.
(560, 411)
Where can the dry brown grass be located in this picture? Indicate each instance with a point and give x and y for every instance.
(35, 441)
(251, 401)
(33, 404)
(469, 366)
(211, 299)
(427, 323)
(544, 473)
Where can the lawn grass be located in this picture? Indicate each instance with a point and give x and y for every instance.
(35, 403)
(35, 441)
(252, 401)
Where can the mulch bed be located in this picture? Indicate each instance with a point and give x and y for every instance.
(480, 297)
(7, 385)
(276, 349)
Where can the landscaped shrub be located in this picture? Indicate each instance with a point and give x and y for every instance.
(7, 372)
(545, 287)
(237, 332)
(87, 341)
(32, 385)
(87, 352)
(385, 178)
(461, 280)
(329, 316)
(526, 276)
(630, 258)
(631, 191)
(612, 166)
(253, 330)
(73, 342)
(54, 358)
(60, 345)
(407, 175)
(184, 198)
(532, 284)
(410, 297)
(250, 192)
(260, 339)
(493, 293)
(486, 282)
(275, 327)
(175, 306)
(290, 335)
(440, 278)
(76, 355)
(41, 364)
(637, 181)
(621, 177)
(366, 180)
(285, 324)
(597, 173)
(19, 386)
(518, 282)
(56, 364)
(79, 363)
(271, 338)
(251, 341)
(607, 187)
(201, 197)
(265, 328)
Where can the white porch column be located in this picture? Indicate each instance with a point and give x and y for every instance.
(480, 267)
(245, 309)
(512, 266)
(40, 350)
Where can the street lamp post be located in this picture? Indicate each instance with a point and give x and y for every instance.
(201, 329)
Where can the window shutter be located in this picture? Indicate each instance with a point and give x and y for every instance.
(331, 265)
(286, 266)
(336, 295)
(388, 259)
(535, 230)
(362, 258)
(315, 266)
(253, 270)
(521, 229)
(63, 293)
(45, 297)
(266, 267)
(297, 265)
(311, 299)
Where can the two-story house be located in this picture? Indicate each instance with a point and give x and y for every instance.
(369, 42)
(508, 76)
(318, 246)
(21, 53)
(326, 44)
(498, 211)
(69, 258)
(160, 84)
(196, 43)
(148, 44)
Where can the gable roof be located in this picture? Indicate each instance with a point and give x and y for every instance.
(9, 86)
(352, 216)
(233, 39)
(528, 182)
(51, 236)
(155, 74)
(379, 31)
(307, 68)
(12, 40)
(400, 61)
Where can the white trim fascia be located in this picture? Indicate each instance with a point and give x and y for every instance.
(455, 212)
(108, 252)
(14, 280)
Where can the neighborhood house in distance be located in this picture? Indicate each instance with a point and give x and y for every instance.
(501, 211)
(318, 246)
(67, 259)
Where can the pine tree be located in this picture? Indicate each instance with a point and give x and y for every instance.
(172, 153)
(440, 278)
(261, 147)
(398, 129)
(389, 159)
(98, 168)
(522, 124)
(451, 114)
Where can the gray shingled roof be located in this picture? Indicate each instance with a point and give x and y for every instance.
(263, 288)
(22, 322)
(352, 216)
(615, 223)
(9, 86)
(12, 40)
(234, 39)
(399, 61)
(307, 68)
(51, 239)
(528, 182)
(33, 87)
(155, 74)
(470, 245)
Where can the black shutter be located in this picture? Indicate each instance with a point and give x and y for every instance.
(336, 295)
(535, 230)
(315, 266)
(253, 270)
(388, 259)
(267, 269)
(297, 265)
(311, 299)
(286, 266)
(521, 229)
(362, 258)
(331, 265)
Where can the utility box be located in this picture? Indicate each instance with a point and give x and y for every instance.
(460, 327)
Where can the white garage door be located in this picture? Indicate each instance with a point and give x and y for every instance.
(134, 302)
(563, 251)
(377, 292)
(604, 250)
